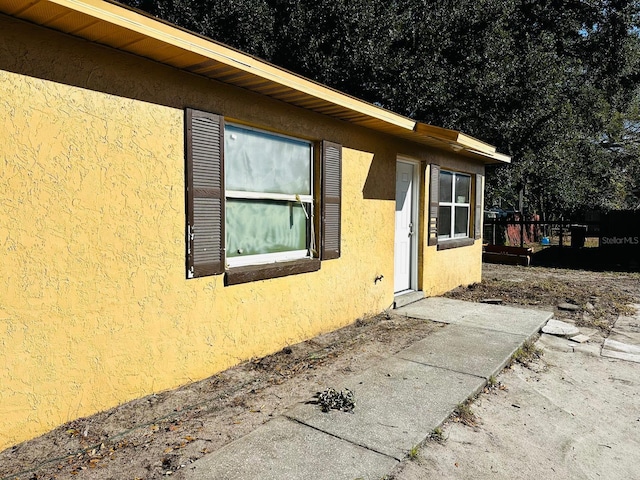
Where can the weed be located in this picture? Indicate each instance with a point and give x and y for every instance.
(437, 435)
(493, 385)
(465, 415)
(527, 353)
(413, 453)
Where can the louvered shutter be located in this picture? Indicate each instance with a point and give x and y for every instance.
(479, 203)
(434, 203)
(331, 202)
(205, 194)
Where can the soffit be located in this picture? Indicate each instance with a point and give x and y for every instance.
(131, 31)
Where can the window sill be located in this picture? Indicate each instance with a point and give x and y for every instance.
(253, 273)
(455, 243)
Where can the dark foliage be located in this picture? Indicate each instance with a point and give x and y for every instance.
(554, 83)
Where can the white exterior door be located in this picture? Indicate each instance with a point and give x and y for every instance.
(404, 234)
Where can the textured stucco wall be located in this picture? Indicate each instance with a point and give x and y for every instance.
(95, 309)
(448, 269)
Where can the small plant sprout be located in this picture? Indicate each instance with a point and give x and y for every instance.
(527, 353)
(493, 385)
(413, 453)
(465, 415)
(437, 435)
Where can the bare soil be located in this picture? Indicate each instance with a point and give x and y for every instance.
(157, 436)
(600, 296)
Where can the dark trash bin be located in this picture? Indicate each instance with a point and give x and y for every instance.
(578, 235)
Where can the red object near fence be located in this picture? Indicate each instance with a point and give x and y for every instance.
(521, 234)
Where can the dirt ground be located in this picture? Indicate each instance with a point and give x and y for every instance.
(158, 435)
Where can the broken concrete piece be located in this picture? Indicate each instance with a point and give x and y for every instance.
(630, 357)
(621, 347)
(579, 338)
(589, 306)
(569, 306)
(556, 327)
(551, 342)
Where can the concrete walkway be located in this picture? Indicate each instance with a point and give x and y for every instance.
(399, 402)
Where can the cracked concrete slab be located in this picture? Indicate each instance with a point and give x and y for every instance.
(398, 404)
(284, 449)
(459, 348)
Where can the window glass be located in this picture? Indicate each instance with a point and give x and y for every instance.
(454, 209)
(444, 221)
(463, 184)
(446, 181)
(258, 161)
(461, 227)
(264, 226)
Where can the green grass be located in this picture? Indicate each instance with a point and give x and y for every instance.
(413, 453)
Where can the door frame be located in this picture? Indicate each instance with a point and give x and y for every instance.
(415, 219)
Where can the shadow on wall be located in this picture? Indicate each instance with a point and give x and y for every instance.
(378, 186)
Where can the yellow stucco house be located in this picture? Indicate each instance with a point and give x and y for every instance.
(171, 207)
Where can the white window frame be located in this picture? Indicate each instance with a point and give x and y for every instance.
(453, 204)
(305, 200)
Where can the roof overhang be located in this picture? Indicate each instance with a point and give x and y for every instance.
(135, 32)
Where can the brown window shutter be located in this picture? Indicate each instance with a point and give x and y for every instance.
(331, 200)
(434, 203)
(479, 201)
(205, 193)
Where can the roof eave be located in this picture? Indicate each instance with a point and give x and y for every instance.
(165, 43)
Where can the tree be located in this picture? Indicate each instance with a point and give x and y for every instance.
(247, 25)
(554, 83)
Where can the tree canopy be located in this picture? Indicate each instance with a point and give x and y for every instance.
(554, 83)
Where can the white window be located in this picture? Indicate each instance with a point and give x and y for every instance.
(268, 197)
(454, 205)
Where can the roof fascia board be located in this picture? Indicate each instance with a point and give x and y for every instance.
(439, 133)
(462, 143)
(491, 158)
(474, 143)
(131, 20)
(459, 138)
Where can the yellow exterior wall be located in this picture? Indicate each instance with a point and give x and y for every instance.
(95, 309)
(447, 269)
